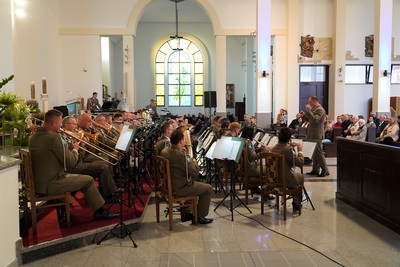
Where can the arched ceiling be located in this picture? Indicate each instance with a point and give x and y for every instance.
(164, 11)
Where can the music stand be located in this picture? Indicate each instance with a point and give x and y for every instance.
(123, 144)
(230, 149)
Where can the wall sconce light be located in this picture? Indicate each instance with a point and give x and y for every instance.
(126, 56)
(264, 74)
(386, 73)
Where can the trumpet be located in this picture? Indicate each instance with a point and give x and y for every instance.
(79, 135)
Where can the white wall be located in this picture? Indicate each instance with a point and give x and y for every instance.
(149, 38)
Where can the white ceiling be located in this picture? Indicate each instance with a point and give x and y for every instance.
(164, 11)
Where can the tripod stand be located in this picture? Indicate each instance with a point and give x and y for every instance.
(232, 192)
(307, 197)
(123, 229)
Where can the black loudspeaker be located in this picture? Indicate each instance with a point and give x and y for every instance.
(63, 109)
(210, 99)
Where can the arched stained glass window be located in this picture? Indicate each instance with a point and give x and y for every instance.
(179, 74)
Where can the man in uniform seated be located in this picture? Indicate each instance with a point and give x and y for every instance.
(184, 173)
(93, 165)
(50, 159)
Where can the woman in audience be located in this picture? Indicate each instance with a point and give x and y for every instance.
(361, 132)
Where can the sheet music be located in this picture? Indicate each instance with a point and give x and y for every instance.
(228, 148)
(210, 152)
(125, 138)
(308, 149)
(273, 141)
(208, 141)
(265, 140)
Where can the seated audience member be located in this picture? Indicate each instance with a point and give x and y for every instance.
(338, 123)
(390, 134)
(375, 118)
(361, 132)
(371, 122)
(381, 124)
(50, 157)
(184, 175)
(164, 141)
(345, 124)
(282, 118)
(353, 126)
(294, 124)
(285, 147)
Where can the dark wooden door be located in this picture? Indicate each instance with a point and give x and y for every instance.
(315, 88)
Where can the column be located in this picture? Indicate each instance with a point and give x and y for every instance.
(292, 75)
(263, 68)
(382, 55)
(220, 73)
(129, 91)
(337, 95)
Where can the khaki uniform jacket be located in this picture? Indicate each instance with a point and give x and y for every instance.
(48, 158)
(290, 156)
(315, 117)
(177, 162)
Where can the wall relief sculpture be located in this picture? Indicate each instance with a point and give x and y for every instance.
(369, 45)
(307, 46)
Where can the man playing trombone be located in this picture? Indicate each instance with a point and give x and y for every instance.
(93, 165)
(50, 160)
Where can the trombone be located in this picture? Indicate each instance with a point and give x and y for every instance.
(114, 159)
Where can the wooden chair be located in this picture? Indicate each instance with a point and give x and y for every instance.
(273, 179)
(250, 181)
(163, 192)
(36, 201)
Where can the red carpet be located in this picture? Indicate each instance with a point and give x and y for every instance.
(49, 229)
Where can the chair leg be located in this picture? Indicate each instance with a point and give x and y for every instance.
(195, 210)
(262, 201)
(284, 207)
(34, 223)
(67, 209)
(158, 210)
(171, 219)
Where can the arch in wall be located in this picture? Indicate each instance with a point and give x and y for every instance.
(141, 6)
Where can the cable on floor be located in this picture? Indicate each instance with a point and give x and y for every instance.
(288, 237)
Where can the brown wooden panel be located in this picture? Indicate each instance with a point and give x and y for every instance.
(375, 179)
(350, 171)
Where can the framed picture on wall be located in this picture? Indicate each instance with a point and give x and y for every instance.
(230, 95)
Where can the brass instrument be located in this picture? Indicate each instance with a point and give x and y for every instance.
(79, 135)
(188, 145)
(105, 147)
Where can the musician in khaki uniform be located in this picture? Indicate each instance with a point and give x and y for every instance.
(50, 159)
(184, 173)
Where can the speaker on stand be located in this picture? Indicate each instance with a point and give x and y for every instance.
(210, 100)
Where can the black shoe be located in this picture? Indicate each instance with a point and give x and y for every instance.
(256, 190)
(205, 220)
(312, 173)
(270, 197)
(323, 174)
(105, 215)
(296, 208)
(186, 217)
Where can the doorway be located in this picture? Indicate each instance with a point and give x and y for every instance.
(314, 82)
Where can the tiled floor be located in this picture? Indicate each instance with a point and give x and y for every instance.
(334, 229)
